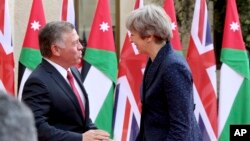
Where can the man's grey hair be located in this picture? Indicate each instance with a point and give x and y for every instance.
(52, 33)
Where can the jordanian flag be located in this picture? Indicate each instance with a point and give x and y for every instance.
(100, 68)
(234, 100)
(170, 10)
(30, 55)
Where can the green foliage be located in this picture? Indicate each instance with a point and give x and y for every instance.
(184, 13)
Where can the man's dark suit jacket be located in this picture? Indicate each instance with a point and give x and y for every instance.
(167, 100)
(57, 114)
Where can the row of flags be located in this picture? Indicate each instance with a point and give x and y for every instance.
(115, 101)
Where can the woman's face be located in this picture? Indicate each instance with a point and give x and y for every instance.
(140, 43)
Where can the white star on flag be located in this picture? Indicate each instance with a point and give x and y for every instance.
(173, 25)
(35, 25)
(234, 26)
(104, 26)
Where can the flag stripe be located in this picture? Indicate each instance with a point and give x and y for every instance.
(126, 121)
(2, 13)
(98, 92)
(230, 89)
(201, 20)
(30, 58)
(239, 64)
(104, 113)
(104, 60)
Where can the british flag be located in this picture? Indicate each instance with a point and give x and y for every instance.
(201, 60)
(6, 50)
(127, 102)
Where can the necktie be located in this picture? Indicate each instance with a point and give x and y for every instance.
(72, 84)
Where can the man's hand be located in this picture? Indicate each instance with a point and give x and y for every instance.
(95, 135)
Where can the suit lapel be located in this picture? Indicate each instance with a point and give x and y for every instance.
(61, 82)
(152, 68)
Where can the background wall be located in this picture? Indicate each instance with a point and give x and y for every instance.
(125, 8)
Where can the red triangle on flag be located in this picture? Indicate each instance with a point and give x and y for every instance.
(232, 29)
(170, 10)
(36, 22)
(101, 35)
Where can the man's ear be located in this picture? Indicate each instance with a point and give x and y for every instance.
(55, 50)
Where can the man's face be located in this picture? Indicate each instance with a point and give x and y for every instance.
(70, 50)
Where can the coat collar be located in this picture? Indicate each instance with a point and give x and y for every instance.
(152, 67)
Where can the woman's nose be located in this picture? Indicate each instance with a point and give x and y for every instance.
(130, 39)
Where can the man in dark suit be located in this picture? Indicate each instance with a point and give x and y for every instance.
(54, 90)
(167, 90)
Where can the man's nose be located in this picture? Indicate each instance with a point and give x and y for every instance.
(80, 47)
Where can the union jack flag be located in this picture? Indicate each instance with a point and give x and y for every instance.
(6, 50)
(201, 60)
(127, 102)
